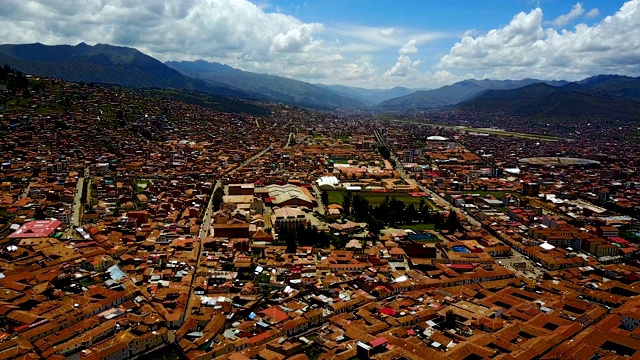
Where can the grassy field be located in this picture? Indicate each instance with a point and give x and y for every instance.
(630, 235)
(419, 227)
(375, 199)
(478, 130)
(496, 194)
(340, 161)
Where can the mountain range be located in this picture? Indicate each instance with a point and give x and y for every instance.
(269, 87)
(104, 64)
(370, 97)
(598, 96)
(573, 100)
(453, 94)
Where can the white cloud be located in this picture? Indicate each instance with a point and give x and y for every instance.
(253, 37)
(297, 39)
(470, 32)
(562, 20)
(383, 38)
(523, 48)
(593, 13)
(387, 32)
(408, 48)
(259, 38)
(403, 67)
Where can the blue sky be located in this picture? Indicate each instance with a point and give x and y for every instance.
(447, 20)
(374, 44)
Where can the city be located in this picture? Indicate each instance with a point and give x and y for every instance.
(319, 180)
(298, 234)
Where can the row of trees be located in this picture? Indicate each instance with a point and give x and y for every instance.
(394, 212)
(304, 236)
(218, 196)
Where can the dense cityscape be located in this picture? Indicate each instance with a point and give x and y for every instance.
(136, 224)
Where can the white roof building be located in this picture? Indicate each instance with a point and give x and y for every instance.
(328, 182)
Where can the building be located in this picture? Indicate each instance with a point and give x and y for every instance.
(328, 183)
(36, 229)
(288, 218)
(407, 156)
(290, 195)
(241, 189)
(531, 189)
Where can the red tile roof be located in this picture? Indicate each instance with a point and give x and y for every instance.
(378, 341)
(36, 229)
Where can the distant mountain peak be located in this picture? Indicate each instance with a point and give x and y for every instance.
(103, 63)
(569, 101)
(449, 95)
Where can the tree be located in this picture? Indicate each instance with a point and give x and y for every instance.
(410, 214)
(39, 214)
(346, 203)
(324, 198)
(375, 225)
(396, 211)
(360, 207)
(289, 237)
(382, 211)
(384, 152)
(218, 196)
(453, 222)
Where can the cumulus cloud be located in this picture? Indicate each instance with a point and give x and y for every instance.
(197, 28)
(408, 48)
(523, 48)
(403, 67)
(562, 20)
(296, 40)
(235, 32)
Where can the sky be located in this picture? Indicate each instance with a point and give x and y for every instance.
(371, 44)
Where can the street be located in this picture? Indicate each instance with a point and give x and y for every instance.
(76, 216)
(205, 227)
(202, 234)
(251, 159)
(529, 270)
(437, 199)
(291, 135)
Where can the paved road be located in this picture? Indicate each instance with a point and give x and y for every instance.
(76, 215)
(291, 135)
(439, 200)
(251, 159)
(531, 270)
(204, 233)
(25, 192)
(77, 206)
(318, 193)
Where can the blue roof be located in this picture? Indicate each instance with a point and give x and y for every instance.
(420, 236)
(115, 273)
